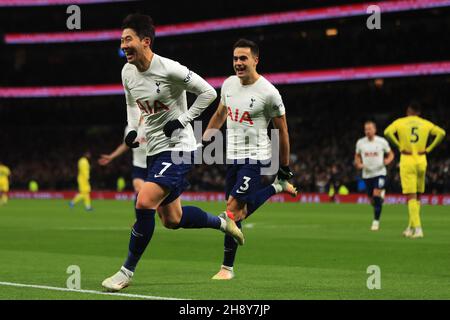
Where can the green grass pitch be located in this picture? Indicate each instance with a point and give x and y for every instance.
(292, 251)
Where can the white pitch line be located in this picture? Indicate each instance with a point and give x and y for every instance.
(140, 296)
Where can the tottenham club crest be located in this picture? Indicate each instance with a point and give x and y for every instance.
(158, 90)
(253, 101)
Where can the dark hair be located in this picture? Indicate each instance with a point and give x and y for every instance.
(370, 122)
(141, 24)
(244, 43)
(415, 106)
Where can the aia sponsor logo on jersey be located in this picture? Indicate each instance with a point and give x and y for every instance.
(237, 116)
(157, 107)
(371, 154)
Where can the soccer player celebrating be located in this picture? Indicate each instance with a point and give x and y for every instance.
(84, 187)
(156, 87)
(372, 155)
(139, 172)
(5, 172)
(248, 103)
(412, 136)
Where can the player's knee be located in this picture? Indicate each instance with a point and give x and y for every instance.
(171, 222)
(142, 203)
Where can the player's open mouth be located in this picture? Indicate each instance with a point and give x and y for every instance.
(240, 70)
(129, 55)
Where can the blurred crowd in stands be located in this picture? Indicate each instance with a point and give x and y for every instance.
(42, 139)
(324, 123)
(316, 168)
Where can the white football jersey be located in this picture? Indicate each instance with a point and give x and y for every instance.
(250, 109)
(372, 155)
(139, 153)
(159, 93)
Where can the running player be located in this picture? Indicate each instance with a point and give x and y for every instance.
(84, 187)
(139, 172)
(410, 134)
(156, 88)
(5, 172)
(248, 103)
(372, 155)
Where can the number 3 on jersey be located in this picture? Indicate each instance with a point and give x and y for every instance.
(244, 187)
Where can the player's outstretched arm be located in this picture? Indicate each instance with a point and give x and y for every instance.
(439, 134)
(216, 122)
(107, 158)
(280, 123)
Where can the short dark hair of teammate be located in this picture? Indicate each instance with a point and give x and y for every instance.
(141, 24)
(244, 43)
(370, 122)
(370, 129)
(414, 107)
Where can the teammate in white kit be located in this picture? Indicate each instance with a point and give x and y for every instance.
(155, 87)
(139, 172)
(248, 103)
(372, 155)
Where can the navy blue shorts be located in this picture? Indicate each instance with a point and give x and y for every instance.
(375, 183)
(163, 171)
(139, 173)
(243, 180)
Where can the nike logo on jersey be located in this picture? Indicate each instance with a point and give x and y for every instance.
(158, 176)
(239, 191)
